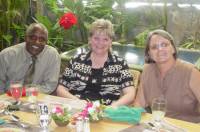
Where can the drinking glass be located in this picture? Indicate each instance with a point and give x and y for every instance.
(43, 114)
(32, 93)
(158, 109)
(16, 90)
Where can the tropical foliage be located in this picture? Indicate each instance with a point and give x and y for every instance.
(65, 39)
(12, 21)
(191, 42)
(140, 39)
(131, 25)
(49, 13)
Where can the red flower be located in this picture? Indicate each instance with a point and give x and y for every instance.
(59, 110)
(84, 113)
(68, 20)
(89, 104)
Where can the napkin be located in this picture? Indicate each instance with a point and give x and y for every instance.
(124, 114)
(2, 121)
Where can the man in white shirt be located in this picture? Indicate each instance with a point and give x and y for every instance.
(16, 60)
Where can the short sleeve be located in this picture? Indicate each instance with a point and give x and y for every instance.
(67, 75)
(195, 83)
(125, 76)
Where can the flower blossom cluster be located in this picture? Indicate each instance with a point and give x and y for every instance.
(68, 20)
(93, 110)
(61, 113)
(58, 111)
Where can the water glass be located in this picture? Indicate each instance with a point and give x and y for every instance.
(43, 114)
(158, 109)
(32, 93)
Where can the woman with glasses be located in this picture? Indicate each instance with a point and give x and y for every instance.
(164, 75)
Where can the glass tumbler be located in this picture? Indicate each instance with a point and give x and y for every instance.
(158, 109)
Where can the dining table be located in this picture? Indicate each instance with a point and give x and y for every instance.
(104, 125)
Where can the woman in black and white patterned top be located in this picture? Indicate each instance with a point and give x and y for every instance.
(98, 74)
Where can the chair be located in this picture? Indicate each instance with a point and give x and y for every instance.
(136, 77)
(64, 64)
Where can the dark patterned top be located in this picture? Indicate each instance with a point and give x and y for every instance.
(97, 84)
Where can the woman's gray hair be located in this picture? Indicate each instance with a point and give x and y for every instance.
(163, 34)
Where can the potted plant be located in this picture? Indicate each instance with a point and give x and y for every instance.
(61, 115)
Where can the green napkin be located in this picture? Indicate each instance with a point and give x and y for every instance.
(2, 121)
(124, 114)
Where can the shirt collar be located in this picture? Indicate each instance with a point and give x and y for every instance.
(171, 70)
(29, 56)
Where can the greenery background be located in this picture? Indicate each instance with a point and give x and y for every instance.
(131, 25)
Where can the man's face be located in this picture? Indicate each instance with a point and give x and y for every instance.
(35, 42)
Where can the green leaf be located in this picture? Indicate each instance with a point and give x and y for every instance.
(7, 38)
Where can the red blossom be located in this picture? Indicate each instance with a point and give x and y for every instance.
(84, 113)
(68, 20)
(89, 104)
(59, 110)
(92, 110)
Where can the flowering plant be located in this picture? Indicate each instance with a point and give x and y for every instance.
(68, 20)
(93, 110)
(61, 115)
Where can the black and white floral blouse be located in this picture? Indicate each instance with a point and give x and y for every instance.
(103, 84)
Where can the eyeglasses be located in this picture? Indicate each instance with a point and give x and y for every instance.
(158, 46)
(41, 39)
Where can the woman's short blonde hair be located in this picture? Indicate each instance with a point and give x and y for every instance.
(102, 26)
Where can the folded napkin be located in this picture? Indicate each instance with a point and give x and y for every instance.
(124, 114)
(2, 121)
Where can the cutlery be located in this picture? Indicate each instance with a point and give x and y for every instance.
(16, 120)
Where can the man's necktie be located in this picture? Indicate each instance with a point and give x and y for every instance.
(28, 78)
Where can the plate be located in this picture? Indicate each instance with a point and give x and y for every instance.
(3, 105)
(7, 129)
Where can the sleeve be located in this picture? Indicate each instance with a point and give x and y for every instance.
(67, 75)
(126, 79)
(52, 74)
(3, 70)
(195, 83)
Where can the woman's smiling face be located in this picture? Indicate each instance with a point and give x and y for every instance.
(100, 43)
